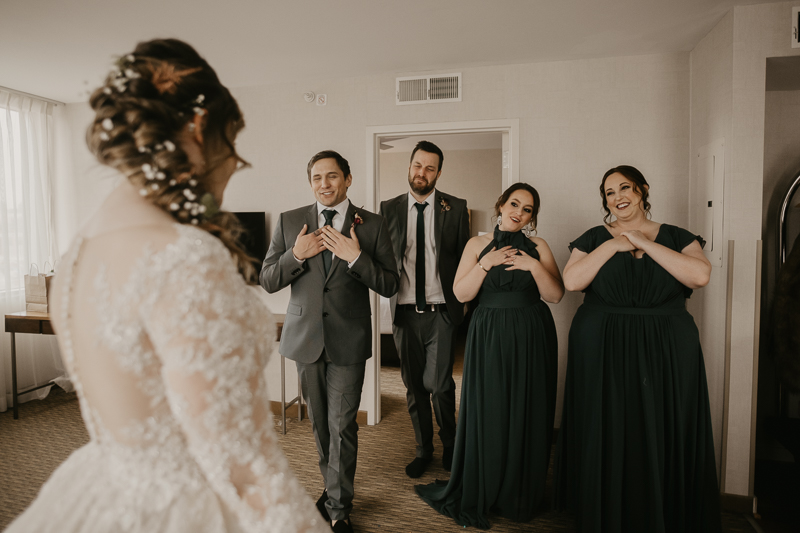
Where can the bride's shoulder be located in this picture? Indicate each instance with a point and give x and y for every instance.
(191, 247)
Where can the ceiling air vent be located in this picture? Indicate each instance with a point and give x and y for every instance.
(429, 89)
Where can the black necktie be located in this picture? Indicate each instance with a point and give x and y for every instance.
(327, 255)
(419, 276)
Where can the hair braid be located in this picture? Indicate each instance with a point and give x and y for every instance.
(145, 103)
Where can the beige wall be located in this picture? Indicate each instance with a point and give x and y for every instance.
(728, 100)
(475, 175)
(711, 108)
(577, 119)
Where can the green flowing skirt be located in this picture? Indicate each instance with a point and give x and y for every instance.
(635, 449)
(505, 422)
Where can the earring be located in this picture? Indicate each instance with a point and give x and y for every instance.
(529, 230)
(499, 219)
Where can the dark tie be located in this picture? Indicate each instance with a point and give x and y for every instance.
(327, 255)
(420, 270)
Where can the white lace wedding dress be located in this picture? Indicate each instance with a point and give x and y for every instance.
(166, 346)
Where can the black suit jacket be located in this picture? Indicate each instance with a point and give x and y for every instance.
(333, 311)
(451, 235)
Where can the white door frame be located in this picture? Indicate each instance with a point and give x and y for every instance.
(510, 130)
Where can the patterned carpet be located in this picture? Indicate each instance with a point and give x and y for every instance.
(49, 430)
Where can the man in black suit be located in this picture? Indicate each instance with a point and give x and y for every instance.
(429, 231)
(328, 329)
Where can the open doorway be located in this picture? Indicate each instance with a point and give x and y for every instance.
(472, 170)
(481, 159)
(777, 448)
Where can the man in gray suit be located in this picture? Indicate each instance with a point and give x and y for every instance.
(331, 254)
(429, 231)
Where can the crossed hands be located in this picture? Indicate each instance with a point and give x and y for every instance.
(514, 258)
(326, 238)
(630, 241)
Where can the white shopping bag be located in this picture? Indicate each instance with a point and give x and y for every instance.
(37, 287)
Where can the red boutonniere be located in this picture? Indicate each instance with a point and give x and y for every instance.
(357, 220)
(445, 204)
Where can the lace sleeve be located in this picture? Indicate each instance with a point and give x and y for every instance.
(213, 338)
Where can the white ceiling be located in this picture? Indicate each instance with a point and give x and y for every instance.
(60, 49)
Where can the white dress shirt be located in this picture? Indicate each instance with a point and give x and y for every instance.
(433, 286)
(336, 223)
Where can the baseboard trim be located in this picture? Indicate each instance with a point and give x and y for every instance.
(735, 503)
(291, 412)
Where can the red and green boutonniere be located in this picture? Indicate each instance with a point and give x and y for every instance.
(445, 204)
(357, 220)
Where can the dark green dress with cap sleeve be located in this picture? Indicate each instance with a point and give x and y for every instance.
(508, 394)
(635, 448)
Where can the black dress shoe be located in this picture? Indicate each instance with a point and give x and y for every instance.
(417, 467)
(447, 457)
(342, 526)
(321, 506)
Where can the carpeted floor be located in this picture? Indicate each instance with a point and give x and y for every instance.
(49, 430)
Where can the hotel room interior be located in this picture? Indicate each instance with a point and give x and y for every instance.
(703, 96)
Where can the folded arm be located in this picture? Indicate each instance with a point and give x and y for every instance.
(377, 268)
(281, 267)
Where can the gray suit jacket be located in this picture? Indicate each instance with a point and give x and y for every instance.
(333, 312)
(451, 235)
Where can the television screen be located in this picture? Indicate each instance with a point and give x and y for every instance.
(255, 236)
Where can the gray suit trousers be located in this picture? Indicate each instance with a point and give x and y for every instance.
(425, 343)
(333, 394)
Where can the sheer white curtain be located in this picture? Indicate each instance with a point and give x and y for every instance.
(27, 234)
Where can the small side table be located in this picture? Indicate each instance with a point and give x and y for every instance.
(25, 322)
(297, 399)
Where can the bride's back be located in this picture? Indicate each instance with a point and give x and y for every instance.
(164, 341)
(96, 309)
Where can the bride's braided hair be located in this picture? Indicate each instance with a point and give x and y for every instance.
(147, 99)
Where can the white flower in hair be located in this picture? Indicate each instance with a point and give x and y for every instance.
(200, 99)
(154, 186)
(172, 183)
(130, 58)
(174, 207)
(194, 222)
(199, 111)
(143, 192)
(169, 145)
(104, 136)
(149, 172)
(106, 90)
(202, 208)
(193, 183)
(108, 124)
(187, 205)
(160, 175)
(132, 74)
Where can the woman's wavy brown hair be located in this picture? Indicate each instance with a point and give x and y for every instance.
(149, 98)
(640, 186)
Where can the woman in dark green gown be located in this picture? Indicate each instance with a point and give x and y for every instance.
(635, 449)
(508, 388)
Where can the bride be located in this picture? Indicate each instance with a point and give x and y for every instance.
(163, 339)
